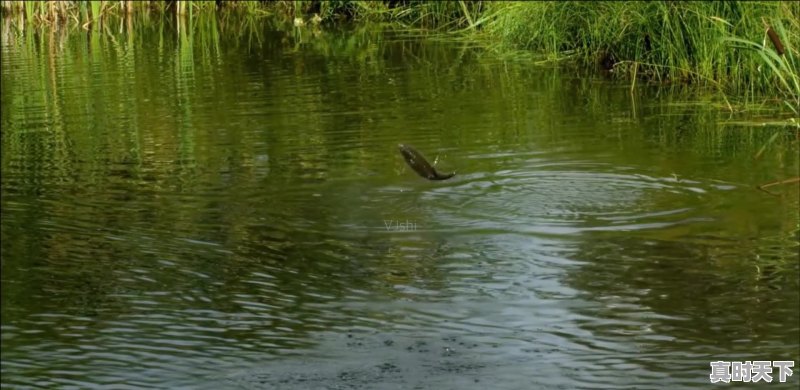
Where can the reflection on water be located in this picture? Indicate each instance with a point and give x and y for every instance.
(219, 215)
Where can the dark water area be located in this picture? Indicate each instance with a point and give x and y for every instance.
(213, 208)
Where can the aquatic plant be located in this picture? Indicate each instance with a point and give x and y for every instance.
(659, 41)
(716, 45)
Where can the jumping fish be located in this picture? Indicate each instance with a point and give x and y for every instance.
(419, 164)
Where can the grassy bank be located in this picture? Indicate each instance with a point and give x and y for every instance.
(746, 50)
(724, 45)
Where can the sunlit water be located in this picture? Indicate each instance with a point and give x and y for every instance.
(178, 213)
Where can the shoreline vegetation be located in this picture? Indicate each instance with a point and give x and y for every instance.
(743, 54)
(745, 51)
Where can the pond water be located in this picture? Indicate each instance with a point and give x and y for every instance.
(214, 208)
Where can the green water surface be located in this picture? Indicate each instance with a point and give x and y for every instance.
(224, 207)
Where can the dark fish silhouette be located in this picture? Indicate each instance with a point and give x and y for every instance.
(420, 165)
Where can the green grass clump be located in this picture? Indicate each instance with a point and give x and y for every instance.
(723, 45)
(779, 55)
(694, 42)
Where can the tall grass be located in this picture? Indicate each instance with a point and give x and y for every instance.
(722, 45)
(781, 60)
(429, 14)
(661, 41)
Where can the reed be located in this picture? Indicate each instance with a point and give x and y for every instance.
(660, 41)
(780, 60)
(743, 49)
(452, 15)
